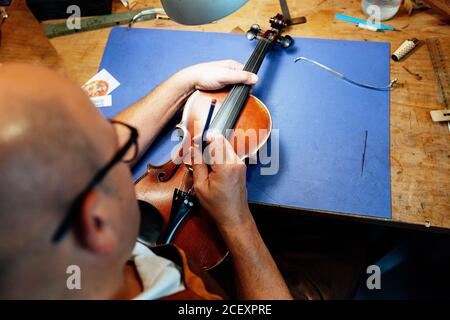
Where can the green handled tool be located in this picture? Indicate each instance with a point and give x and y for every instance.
(92, 23)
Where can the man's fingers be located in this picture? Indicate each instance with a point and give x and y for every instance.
(229, 150)
(200, 169)
(221, 152)
(211, 134)
(234, 65)
(236, 76)
(231, 64)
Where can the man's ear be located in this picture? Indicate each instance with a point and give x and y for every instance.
(96, 231)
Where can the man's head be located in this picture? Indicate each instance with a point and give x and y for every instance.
(52, 142)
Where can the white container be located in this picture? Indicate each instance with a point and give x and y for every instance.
(380, 9)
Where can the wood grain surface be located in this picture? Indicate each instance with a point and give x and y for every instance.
(420, 165)
(23, 39)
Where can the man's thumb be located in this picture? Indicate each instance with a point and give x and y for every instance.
(199, 167)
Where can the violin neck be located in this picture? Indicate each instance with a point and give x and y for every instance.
(258, 55)
(227, 115)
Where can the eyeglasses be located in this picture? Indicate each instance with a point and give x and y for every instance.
(126, 153)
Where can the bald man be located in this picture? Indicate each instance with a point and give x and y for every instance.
(53, 143)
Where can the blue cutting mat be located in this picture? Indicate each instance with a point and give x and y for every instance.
(322, 120)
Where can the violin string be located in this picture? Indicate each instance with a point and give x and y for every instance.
(235, 91)
(243, 93)
(245, 90)
(262, 53)
(182, 184)
(255, 56)
(252, 65)
(240, 92)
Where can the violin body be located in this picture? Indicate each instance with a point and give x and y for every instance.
(198, 236)
(244, 120)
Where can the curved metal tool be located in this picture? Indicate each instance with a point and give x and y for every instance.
(391, 85)
(147, 12)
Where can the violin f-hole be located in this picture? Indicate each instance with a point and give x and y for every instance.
(167, 171)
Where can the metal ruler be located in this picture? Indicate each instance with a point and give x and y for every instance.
(287, 15)
(437, 51)
(91, 23)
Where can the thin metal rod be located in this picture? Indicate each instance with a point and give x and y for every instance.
(285, 10)
(231, 107)
(391, 85)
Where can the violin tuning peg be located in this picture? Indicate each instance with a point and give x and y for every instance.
(255, 28)
(285, 41)
(253, 32)
(251, 35)
(278, 22)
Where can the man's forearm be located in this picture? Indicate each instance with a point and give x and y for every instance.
(257, 276)
(153, 112)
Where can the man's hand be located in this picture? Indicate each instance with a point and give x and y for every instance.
(216, 75)
(222, 190)
(158, 107)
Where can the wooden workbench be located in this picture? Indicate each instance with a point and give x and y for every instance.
(23, 39)
(420, 166)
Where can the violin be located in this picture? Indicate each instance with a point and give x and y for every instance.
(168, 188)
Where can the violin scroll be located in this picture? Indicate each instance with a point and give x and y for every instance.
(278, 24)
